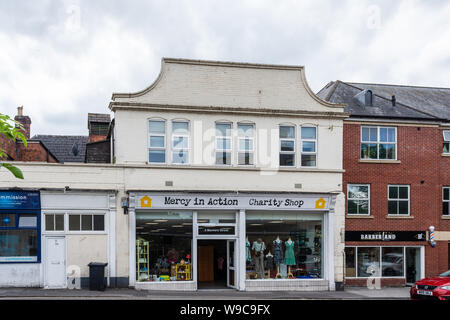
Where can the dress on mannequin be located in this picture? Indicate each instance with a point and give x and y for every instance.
(278, 252)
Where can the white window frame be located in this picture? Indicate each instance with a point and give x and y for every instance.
(157, 135)
(446, 141)
(378, 142)
(307, 140)
(187, 136)
(398, 199)
(216, 138)
(54, 214)
(92, 214)
(358, 199)
(448, 201)
(245, 137)
(294, 140)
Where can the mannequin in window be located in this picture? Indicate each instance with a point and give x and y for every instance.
(289, 259)
(269, 263)
(278, 254)
(248, 256)
(258, 247)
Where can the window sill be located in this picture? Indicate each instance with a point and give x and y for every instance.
(445, 217)
(378, 161)
(399, 217)
(445, 154)
(358, 216)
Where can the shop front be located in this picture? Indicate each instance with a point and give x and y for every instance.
(392, 257)
(243, 241)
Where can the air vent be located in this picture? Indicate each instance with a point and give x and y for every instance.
(75, 150)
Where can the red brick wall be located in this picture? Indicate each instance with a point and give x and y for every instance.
(419, 150)
(8, 146)
(33, 152)
(95, 137)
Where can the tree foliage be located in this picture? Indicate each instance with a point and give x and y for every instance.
(12, 130)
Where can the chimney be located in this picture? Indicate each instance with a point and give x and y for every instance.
(393, 100)
(23, 120)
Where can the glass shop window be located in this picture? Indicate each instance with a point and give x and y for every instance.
(164, 246)
(86, 222)
(54, 222)
(369, 262)
(19, 237)
(350, 262)
(282, 245)
(392, 262)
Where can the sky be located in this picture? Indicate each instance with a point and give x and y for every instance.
(62, 59)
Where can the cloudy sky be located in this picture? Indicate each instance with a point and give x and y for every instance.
(63, 59)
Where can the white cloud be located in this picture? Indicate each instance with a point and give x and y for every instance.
(62, 60)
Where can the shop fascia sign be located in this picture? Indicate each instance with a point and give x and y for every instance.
(385, 236)
(274, 202)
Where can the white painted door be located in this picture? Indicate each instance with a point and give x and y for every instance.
(55, 262)
(231, 264)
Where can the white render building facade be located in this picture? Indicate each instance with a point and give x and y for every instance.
(223, 175)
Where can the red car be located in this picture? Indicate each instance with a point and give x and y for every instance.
(432, 288)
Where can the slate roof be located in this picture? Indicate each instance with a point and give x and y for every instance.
(63, 147)
(425, 103)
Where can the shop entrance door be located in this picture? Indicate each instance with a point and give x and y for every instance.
(413, 269)
(55, 263)
(231, 264)
(212, 264)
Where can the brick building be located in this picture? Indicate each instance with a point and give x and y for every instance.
(396, 162)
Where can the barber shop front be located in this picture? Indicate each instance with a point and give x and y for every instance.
(242, 241)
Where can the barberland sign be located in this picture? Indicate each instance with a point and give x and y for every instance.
(202, 201)
(385, 236)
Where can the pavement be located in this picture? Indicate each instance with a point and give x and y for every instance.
(350, 293)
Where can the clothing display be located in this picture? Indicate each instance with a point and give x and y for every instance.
(269, 262)
(247, 250)
(258, 246)
(289, 254)
(278, 252)
(259, 266)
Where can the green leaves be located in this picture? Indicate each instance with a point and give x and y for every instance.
(14, 170)
(12, 130)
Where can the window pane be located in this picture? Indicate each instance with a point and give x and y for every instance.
(350, 258)
(287, 159)
(180, 157)
(180, 142)
(368, 261)
(308, 160)
(309, 146)
(8, 220)
(352, 207)
(445, 209)
(158, 156)
(245, 158)
(446, 147)
(391, 135)
(49, 222)
(180, 128)
(74, 222)
(245, 130)
(393, 192)
(363, 206)
(86, 222)
(223, 143)
(446, 194)
(287, 145)
(446, 135)
(382, 149)
(156, 142)
(223, 158)
(245, 144)
(365, 134)
(403, 207)
(223, 129)
(369, 151)
(59, 222)
(99, 222)
(392, 262)
(403, 192)
(383, 135)
(308, 133)
(19, 243)
(287, 132)
(157, 126)
(358, 191)
(392, 207)
(390, 151)
(373, 134)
